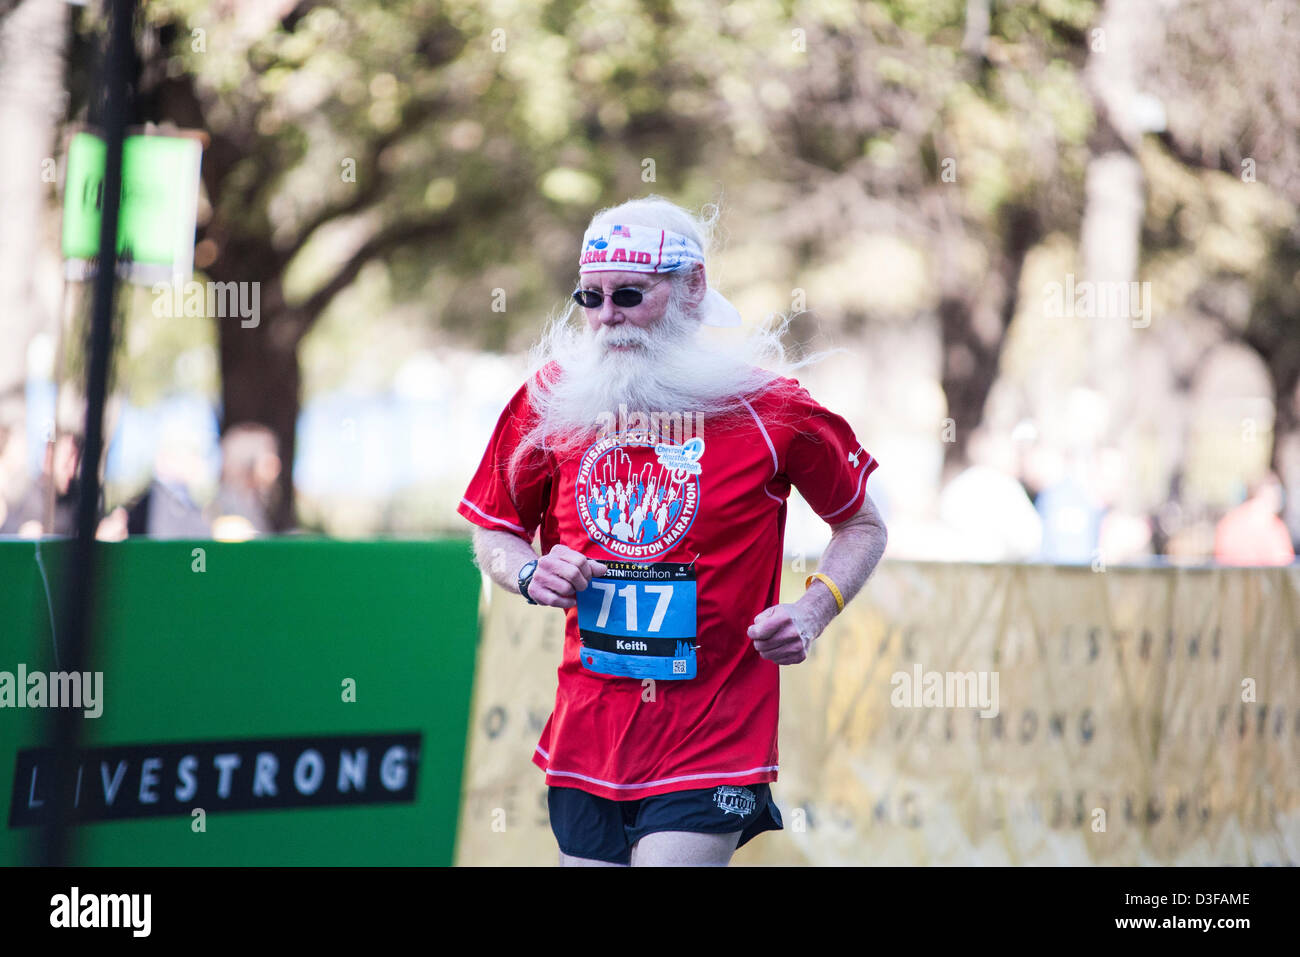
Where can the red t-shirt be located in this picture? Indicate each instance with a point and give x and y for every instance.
(703, 517)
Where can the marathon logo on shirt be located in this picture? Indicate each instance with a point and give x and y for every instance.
(637, 496)
(682, 459)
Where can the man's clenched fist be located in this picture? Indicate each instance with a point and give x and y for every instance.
(779, 635)
(561, 574)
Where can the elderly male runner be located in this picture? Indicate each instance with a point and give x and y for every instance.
(657, 467)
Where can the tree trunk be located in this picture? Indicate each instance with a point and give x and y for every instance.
(973, 321)
(261, 382)
(32, 38)
(1114, 199)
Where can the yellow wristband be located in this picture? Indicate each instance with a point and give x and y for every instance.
(839, 599)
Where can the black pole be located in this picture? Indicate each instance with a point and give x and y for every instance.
(79, 579)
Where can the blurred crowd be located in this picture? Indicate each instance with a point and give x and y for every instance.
(1038, 504)
(1015, 502)
(165, 508)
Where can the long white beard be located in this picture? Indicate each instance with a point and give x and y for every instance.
(673, 370)
(670, 371)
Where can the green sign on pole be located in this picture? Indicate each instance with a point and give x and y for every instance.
(160, 189)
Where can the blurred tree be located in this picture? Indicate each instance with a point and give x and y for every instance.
(33, 37)
(298, 145)
(415, 134)
(453, 150)
(1114, 194)
(957, 127)
(1218, 85)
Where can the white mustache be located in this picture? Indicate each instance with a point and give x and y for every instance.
(627, 339)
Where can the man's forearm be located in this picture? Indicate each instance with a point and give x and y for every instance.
(849, 559)
(501, 555)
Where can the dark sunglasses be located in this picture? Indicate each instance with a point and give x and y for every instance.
(624, 298)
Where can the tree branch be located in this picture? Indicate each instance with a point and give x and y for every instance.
(486, 208)
(413, 116)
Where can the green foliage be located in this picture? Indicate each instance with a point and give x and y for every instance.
(389, 166)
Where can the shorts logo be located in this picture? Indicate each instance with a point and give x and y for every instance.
(636, 495)
(734, 800)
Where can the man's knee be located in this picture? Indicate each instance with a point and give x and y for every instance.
(684, 849)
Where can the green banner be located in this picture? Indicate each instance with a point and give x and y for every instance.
(160, 180)
(309, 697)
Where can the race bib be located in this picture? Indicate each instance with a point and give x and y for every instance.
(638, 621)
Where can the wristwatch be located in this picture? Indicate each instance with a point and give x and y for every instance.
(526, 578)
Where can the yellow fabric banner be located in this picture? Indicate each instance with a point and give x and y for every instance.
(973, 714)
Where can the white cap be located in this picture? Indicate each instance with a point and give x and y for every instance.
(609, 247)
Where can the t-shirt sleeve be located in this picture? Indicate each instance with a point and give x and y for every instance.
(825, 461)
(488, 501)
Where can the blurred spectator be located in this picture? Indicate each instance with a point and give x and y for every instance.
(1252, 533)
(1182, 528)
(27, 517)
(987, 510)
(1193, 542)
(992, 516)
(166, 508)
(250, 466)
(1125, 531)
(1071, 520)
(1169, 517)
(59, 477)
(1125, 536)
(1044, 467)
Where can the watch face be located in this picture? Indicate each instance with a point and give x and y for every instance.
(526, 579)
